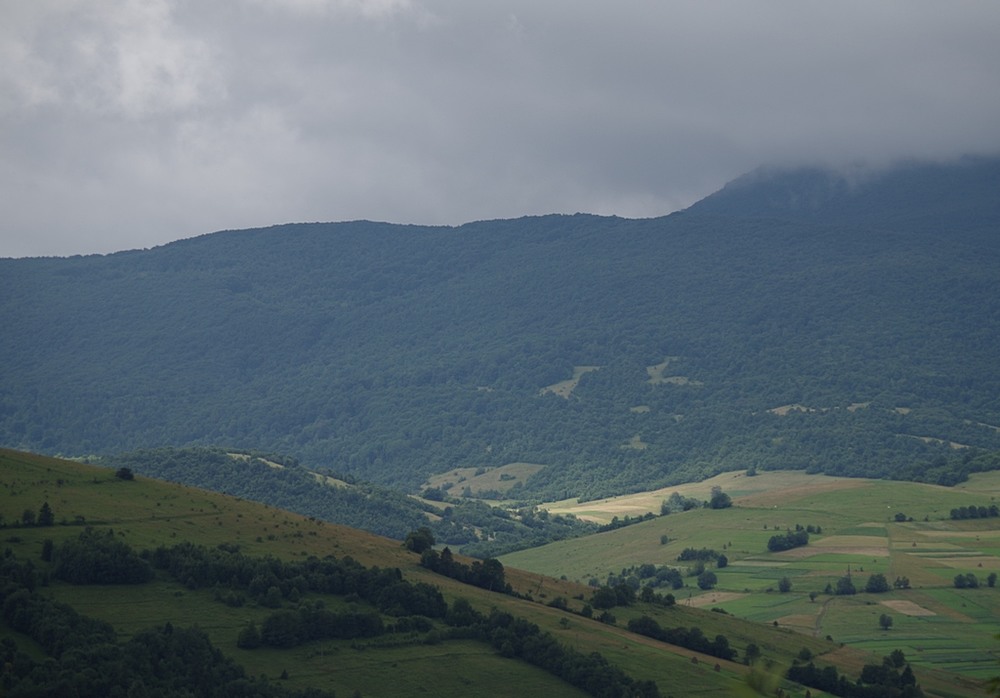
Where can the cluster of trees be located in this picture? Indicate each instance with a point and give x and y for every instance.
(617, 523)
(608, 597)
(876, 584)
(893, 678)
(99, 557)
(689, 638)
(624, 593)
(969, 580)
(975, 512)
(788, 540)
(677, 502)
(85, 657)
(44, 517)
(270, 581)
(702, 554)
(487, 574)
(643, 575)
(290, 628)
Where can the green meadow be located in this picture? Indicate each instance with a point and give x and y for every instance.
(147, 513)
(933, 623)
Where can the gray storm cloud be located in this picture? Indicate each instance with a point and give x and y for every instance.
(127, 125)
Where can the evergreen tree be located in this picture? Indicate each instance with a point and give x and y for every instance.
(249, 637)
(845, 587)
(45, 515)
(876, 584)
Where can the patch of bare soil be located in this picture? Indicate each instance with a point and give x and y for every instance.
(713, 598)
(785, 409)
(908, 608)
(801, 621)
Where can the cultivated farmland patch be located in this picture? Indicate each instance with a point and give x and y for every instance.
(908, 608)
(713, 598)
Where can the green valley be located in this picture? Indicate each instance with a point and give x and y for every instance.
(901, 531)
(159, 519)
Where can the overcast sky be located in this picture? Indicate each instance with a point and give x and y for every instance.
(128, 124)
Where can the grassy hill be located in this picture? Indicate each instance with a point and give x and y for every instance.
(147, 514)
(867, 527)
(621, 355)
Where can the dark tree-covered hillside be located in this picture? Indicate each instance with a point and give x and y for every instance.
(854, 335)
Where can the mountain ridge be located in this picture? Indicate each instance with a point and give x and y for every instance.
(391, 353)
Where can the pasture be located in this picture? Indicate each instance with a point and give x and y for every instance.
(147, 513)
(896, 529)
(479, 480)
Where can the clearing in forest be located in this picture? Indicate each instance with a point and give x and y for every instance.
(565, 388)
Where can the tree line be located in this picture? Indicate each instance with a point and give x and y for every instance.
(480, 530)
(975, 512)
(84, 656)
(690, 638)
(893, 678)
(89, 660)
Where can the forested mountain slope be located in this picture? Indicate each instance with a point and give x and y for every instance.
(857, 337)
(958, 201)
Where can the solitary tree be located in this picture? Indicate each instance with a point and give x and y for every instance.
(45, 515)
(249, 637)
(784, 585)
(420, 540)
(845, 587)
(719, 500)
(885, 621)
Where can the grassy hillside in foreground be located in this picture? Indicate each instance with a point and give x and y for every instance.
(934, 623)
(147, 513)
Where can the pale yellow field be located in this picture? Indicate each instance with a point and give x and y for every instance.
(766, 489)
